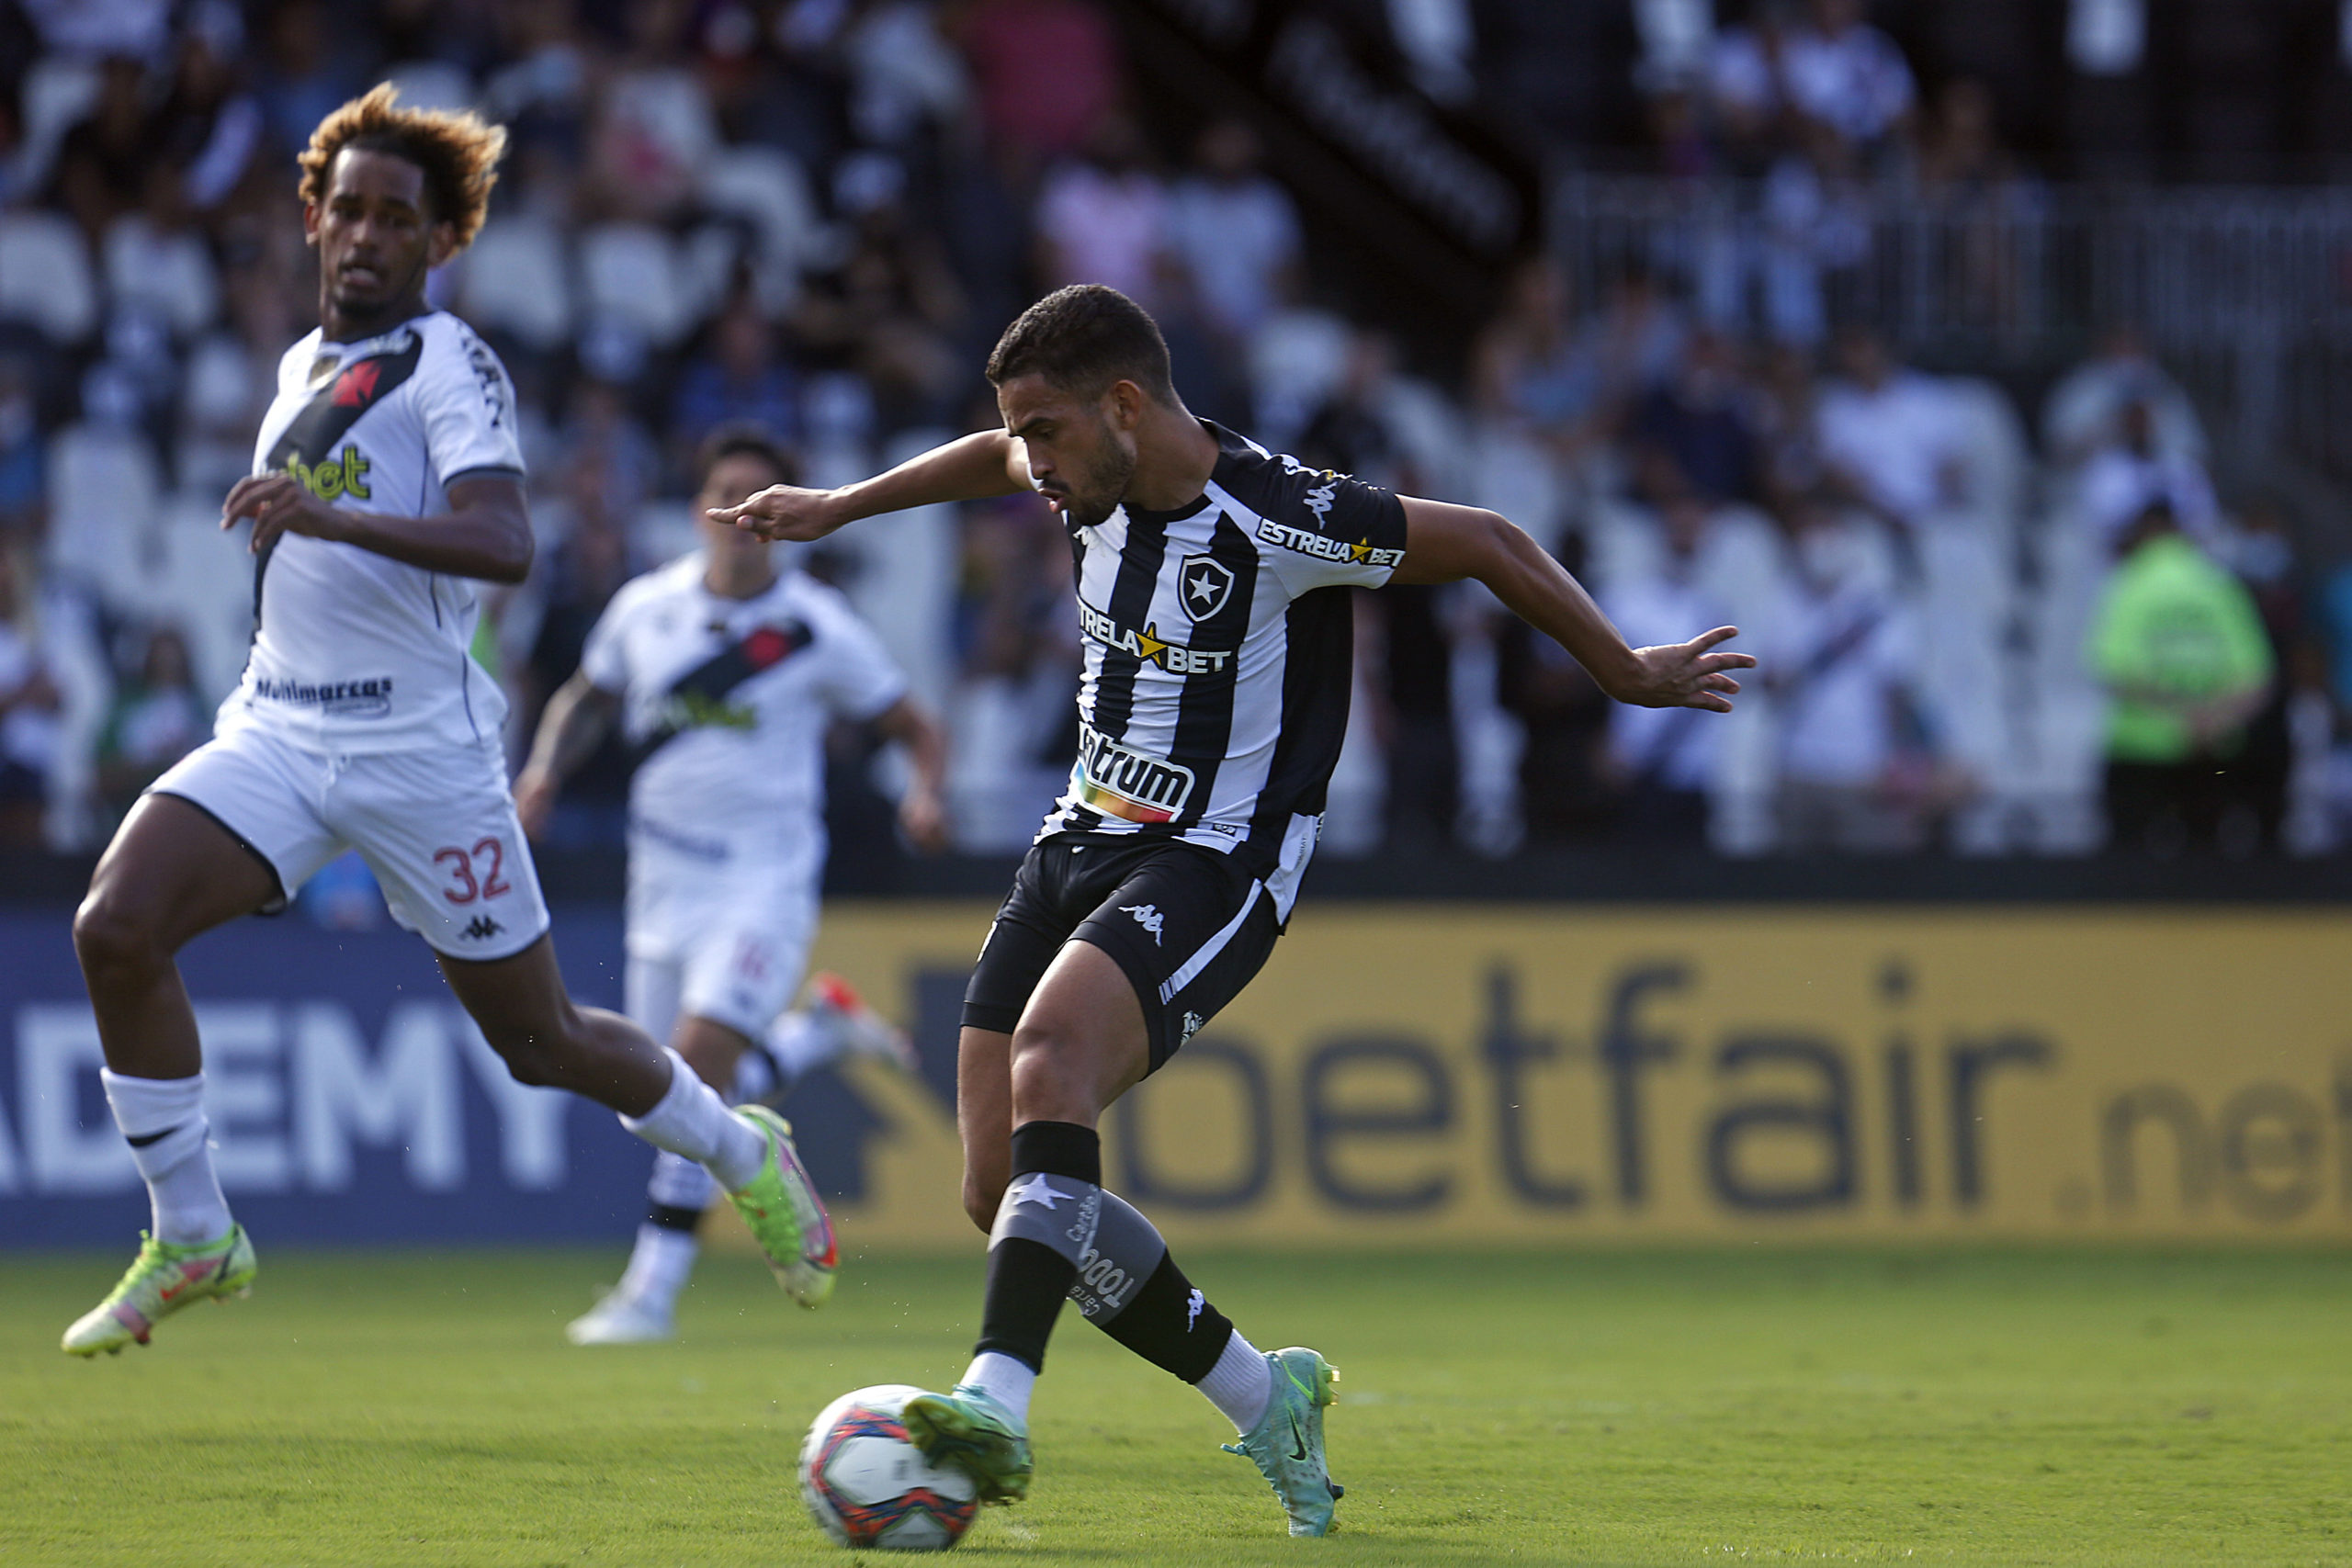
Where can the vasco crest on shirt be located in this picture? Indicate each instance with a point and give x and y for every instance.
(1203, 583)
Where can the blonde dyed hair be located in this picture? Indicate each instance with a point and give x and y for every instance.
(458, 151)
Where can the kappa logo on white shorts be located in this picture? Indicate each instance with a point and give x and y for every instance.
(1148, 917)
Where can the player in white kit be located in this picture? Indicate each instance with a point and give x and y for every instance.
(724, 673)
(387, 483)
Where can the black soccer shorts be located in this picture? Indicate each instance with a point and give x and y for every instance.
(1187, 925)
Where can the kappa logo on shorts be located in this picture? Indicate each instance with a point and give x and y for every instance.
(1192, 1022)
(482, 928)
(1192, 1309)
(1148, 917)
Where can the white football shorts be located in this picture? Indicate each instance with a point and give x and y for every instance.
(722, 937)
(436, 826)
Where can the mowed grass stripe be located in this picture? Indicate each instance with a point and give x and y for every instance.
(2024, 1406)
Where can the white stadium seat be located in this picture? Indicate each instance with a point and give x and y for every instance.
(631, 273)
(515, 280)
(168, 273)
(767, 187)
(45, 277)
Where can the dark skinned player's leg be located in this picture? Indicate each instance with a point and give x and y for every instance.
(171, 874)
(545, 1038)
(1027, 1106)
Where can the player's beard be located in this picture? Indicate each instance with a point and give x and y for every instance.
(399, 301)
(1105, 485)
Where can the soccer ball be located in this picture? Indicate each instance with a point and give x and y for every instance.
(867, 1485)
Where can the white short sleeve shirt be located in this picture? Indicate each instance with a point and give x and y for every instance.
(727, 699)
(354, 651)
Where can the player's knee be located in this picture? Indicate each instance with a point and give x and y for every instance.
(531, 1057)
(1054, 1074)
(113, 936)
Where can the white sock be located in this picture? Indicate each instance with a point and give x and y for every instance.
(691, 1120)
(659, 1267)
(170, 1140)
(679, 1183)
(1240, 1383)
(1004, 1379)
(804, 1041)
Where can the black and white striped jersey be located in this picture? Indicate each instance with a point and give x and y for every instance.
(1218, 659)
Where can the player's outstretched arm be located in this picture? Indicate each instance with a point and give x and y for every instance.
(975, 467)
(923, 812)
(485, 535)
(570, 725)
(1444, 543)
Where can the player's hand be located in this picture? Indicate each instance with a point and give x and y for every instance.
(785, 511)
(278, 504)
(1687, 674)
(534, 792)
(925, 820)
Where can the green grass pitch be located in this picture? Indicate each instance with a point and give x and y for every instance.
(1617, 1407)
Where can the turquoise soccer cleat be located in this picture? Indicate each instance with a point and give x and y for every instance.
(786, 1216)
(978, 1435)
(162, 1280)
(1287, 1441)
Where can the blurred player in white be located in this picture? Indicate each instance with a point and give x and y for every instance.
(387, 482)
(725, 673)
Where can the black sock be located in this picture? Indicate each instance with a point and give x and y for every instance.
(1172, 1326)
(1043, 1226)
(1130, 1288)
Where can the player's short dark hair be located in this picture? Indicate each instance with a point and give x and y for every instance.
(1083, 338)
(458, 150)
(743, 439)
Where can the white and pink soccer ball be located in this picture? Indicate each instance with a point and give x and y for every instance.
(867, 1485)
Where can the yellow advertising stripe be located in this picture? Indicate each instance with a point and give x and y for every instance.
(1543, 1075)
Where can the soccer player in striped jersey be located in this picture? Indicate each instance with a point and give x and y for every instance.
(386, 482)
(1211, 711)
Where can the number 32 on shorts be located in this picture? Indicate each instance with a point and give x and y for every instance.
(474, 874)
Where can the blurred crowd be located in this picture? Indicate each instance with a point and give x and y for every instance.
(1981, 632)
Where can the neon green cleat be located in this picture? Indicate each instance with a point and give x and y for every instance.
(786, 1216)
(162, 1280)
(1287, 1441)
(978, 1435)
